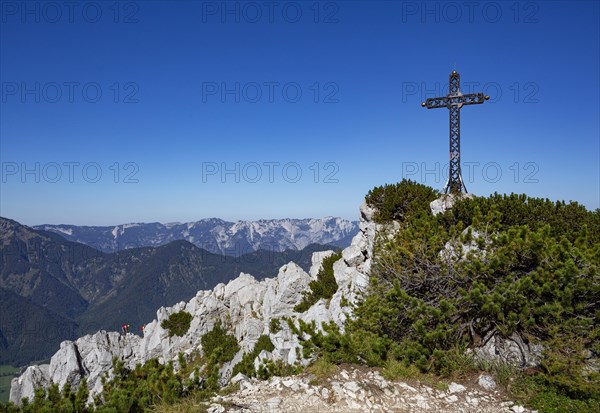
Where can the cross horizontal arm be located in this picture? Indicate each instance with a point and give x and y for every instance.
(447, 101)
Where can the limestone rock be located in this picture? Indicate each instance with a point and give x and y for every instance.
(446, 202)
(459, 250)
(353, 255)
(487, 382)
(456, 388)
(512, 350)
(239, 378)
(65, 365)
(215, 408)
(285, 292)
(90, 356)
(367, 212)
(227, 369)
(25, 385)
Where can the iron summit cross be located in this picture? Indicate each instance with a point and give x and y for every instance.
(454, 101)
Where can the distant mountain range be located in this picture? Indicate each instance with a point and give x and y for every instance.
(215, 235)
(52, 289)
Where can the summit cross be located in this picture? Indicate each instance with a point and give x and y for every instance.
(454, 101)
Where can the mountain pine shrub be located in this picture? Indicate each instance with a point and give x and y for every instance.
(246, 366)
(396, 201)
(219, 344)
(177, 324)
(324, 286)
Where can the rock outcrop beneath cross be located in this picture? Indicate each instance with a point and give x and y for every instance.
(446, 202)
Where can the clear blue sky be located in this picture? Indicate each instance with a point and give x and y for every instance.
(168, 94)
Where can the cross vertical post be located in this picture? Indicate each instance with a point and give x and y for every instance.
(454, 102)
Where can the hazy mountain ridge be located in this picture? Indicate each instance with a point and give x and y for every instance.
(215, 235)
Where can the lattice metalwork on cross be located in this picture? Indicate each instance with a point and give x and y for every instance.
(454, 101)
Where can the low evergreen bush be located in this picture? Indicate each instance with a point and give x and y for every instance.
(324, 286)
(177, 324)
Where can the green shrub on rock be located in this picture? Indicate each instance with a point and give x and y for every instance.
(246, 366)
(177, 324)
(219, 344)
(401, 200)
(324, 286)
